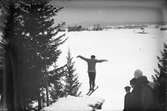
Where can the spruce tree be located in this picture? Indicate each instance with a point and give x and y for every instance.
(44, 47)
(160, 78)
(56, 83)
(72, 82)
(32, 48)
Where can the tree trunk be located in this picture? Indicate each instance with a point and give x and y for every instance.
(11, 103)
(39, 102)
(47, 91)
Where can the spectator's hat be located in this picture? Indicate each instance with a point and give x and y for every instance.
(127, 88)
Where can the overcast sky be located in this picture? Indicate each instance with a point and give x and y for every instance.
(109, 12)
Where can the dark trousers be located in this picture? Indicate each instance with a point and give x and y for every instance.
(92, 76)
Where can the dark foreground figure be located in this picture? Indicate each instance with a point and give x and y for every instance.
(127, 100)
(142, 97)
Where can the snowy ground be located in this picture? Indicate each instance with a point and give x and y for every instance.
(71, 103)
(126, 50)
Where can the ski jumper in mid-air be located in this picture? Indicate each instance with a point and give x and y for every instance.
(92, 69)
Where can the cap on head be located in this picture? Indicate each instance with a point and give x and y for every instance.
(138, 73)
(127, 88)
(93, 56)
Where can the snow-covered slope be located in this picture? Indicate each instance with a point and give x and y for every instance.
(71, 103)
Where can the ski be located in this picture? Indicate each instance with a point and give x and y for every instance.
(79, 93)
(88, 92)
(91, 91)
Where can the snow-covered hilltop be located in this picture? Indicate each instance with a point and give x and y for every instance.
(71, 103)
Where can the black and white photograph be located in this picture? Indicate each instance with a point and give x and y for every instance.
(83, 55)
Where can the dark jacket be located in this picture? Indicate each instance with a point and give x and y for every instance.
(143, 96)
(127, 102)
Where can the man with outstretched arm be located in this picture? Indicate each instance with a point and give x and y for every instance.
(92, 68)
